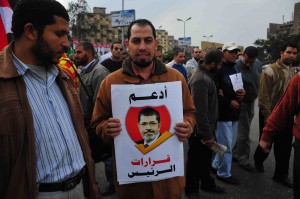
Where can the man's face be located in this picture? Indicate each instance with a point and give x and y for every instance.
(288, 56)
(230, 56)
(180, 58)
(141, 45)
(51, 45)
(158, 55)
(248, 62)
(81, 56)
(197, 54)
(117, 51)
(149, 127)
(215, 67)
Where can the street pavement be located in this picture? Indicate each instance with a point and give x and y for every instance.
(253, 185)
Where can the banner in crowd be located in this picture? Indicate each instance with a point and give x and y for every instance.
(147, 149)
(100, 49)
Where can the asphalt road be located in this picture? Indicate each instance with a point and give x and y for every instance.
(253, 185)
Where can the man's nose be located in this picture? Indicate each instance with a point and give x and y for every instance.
(142, 45)
(66, 43)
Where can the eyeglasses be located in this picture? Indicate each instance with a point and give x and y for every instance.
(118, 48)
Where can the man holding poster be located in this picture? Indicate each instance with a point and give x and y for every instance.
(143, 72)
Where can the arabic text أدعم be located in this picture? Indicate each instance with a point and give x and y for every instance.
(154, 95)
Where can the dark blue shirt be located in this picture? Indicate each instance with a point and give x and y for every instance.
(182, 70)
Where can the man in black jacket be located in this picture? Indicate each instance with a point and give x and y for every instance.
(206, 102)
(229, 111)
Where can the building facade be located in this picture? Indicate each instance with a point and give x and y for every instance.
(286, 28)
(96, 27)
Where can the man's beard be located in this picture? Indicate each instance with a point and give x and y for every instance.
(213, 70)
(151, 138)
(287, 62)
(142, 63)
(83, 61)
(43, 52)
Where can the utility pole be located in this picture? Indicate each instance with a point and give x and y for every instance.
(123, 45)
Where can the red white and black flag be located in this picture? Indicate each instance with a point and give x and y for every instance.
(5, 22)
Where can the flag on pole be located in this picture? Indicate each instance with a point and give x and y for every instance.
(5, 22)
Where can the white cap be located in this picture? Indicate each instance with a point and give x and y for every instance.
(230, 46)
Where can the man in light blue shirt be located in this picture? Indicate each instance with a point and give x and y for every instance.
(47, 154)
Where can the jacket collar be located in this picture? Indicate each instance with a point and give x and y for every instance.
(282, 65)
(90, 66)
(8, 68)
(201, 67)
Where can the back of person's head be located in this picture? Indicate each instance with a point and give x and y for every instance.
(214, 55)
(288, 44)
(251, 52)
(87, 46)
(37, 12)
(149, 112)
(177, 51)
(141, 23)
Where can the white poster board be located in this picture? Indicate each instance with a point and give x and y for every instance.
(164, 158)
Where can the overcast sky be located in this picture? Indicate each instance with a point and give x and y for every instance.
(240, 21)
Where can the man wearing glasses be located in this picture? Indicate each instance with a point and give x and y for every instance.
(114, 62)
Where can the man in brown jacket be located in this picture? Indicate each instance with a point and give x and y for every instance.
(142, 68)
(44, 151)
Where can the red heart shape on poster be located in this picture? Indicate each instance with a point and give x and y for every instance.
(132, 121)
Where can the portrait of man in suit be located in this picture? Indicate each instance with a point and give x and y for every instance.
(149, 126)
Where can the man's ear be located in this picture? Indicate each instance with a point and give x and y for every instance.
(30, 32)
(127, 43)
(213, 64)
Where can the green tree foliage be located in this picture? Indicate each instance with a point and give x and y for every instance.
(76, 11)
(168, 56)
(269, 49)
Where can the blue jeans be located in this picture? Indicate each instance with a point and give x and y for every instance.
(109, 171)
(226, 134)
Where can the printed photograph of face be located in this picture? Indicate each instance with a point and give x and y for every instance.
(149, 125)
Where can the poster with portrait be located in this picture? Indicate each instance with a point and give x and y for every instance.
(147, 148)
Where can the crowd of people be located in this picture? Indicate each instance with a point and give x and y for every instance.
(57, 118)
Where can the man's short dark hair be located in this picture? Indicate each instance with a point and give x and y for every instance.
(288, 44)
(149, 112)
(38, 12)
(177, 51)
(251, 52)
(112, 45)
(197, 48)
(214, 55)
(87, 46)
(142, 23)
